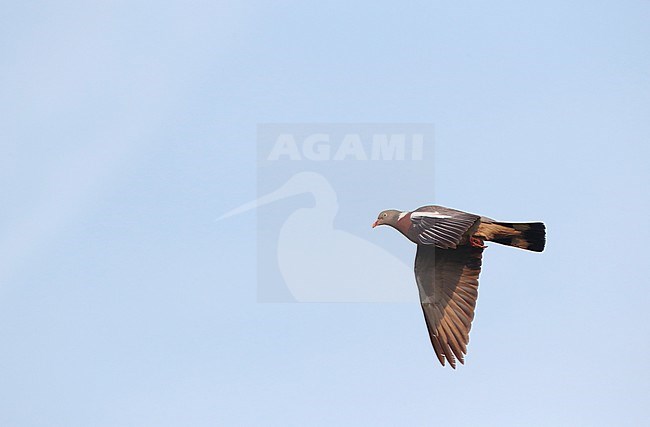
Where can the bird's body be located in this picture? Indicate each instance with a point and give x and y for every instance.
(450, 245)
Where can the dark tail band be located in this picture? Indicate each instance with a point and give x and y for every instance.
(524, 235)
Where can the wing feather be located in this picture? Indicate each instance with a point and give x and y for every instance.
(448, 284)
(444, 230)
(453, 342)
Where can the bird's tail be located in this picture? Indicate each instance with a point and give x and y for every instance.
(524, 235)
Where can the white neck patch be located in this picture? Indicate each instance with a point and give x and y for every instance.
(402, 215)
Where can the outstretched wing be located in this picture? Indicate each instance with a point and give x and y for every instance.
(448, 284)
(442, 229)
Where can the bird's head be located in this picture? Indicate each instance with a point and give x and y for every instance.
(388, 217)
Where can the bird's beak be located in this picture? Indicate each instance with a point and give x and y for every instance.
(279, 194)
(374, 224)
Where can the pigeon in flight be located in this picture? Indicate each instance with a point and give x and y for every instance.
(448, 262)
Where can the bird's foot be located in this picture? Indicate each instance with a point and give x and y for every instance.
(476, 242)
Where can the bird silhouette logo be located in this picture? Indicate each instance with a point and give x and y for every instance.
(320, 263)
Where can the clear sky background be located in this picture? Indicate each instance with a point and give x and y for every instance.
(128, 127)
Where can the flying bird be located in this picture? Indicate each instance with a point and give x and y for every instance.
(450, 246)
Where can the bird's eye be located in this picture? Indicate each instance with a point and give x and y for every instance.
(383, 215)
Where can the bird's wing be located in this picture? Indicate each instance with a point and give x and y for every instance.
(444, 230)
(448, 283)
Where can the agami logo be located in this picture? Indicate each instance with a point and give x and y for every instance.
(352, 146)
(317, 196)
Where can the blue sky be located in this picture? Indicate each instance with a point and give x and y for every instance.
(128, 128)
